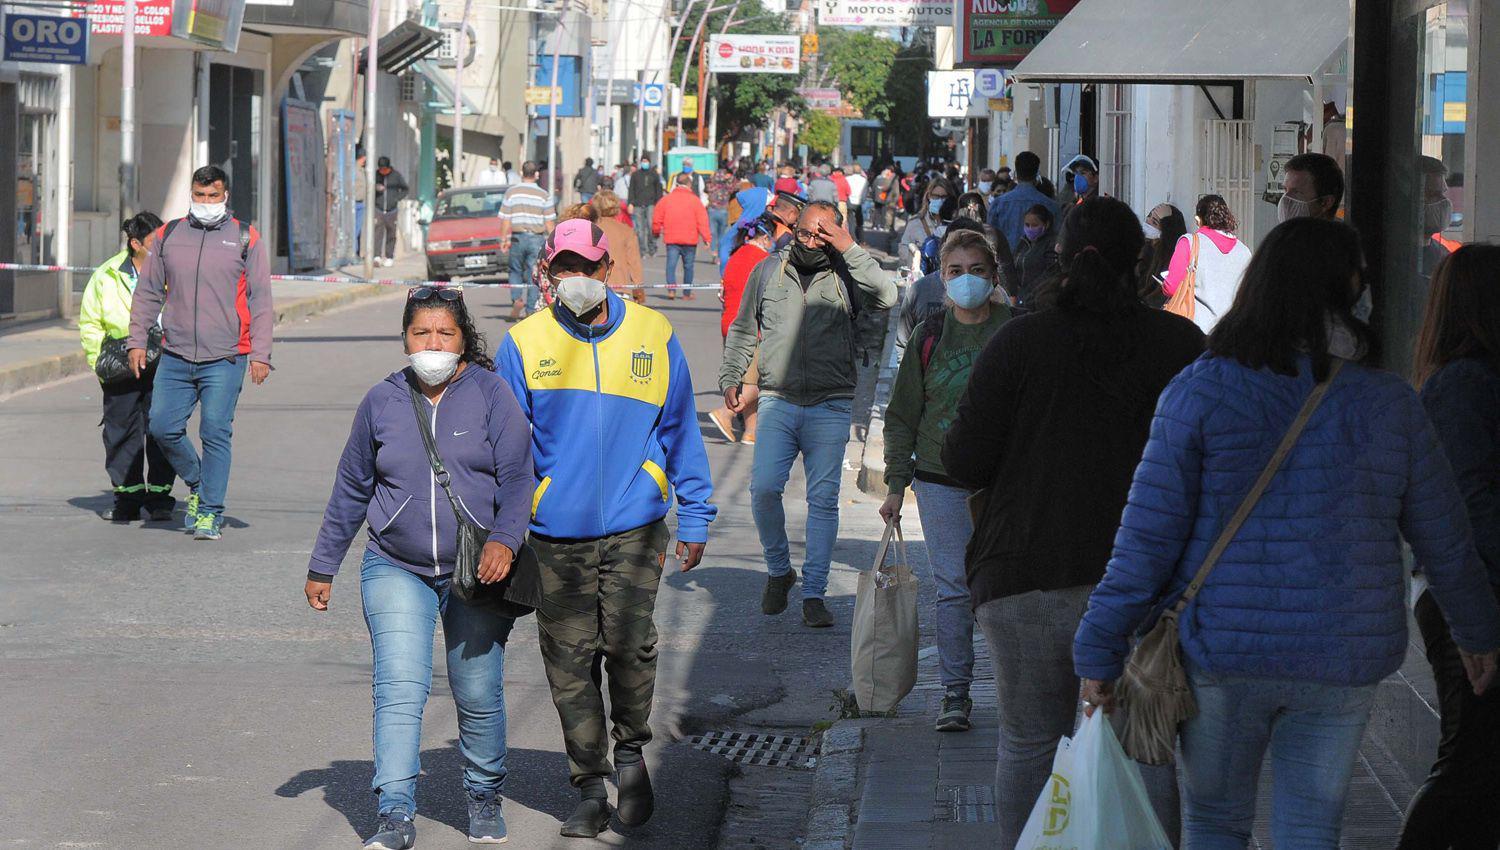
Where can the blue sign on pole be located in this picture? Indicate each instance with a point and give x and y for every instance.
(650, 95)
(46, 38)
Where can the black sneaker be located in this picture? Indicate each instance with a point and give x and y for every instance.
(773, 600)
(162, 514)
(588, 820)
(395, 831)
(816, 614)
(121, 513)
(636, 799)
(954, 715)
(486, 823)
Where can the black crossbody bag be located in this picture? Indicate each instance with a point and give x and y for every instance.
(516, 595)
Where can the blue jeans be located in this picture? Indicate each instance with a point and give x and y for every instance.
(1313, 731)
(359, 225)
(688, 254)
(718, 225)
(819, 432)
(180, 386)
(525, 250)
(401, 611)
(947, 527)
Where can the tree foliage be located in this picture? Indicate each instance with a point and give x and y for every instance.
(858, 63)
(820, 132)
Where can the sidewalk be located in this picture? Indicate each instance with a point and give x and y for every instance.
(37, 353)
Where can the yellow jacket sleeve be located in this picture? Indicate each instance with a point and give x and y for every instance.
(91, 327)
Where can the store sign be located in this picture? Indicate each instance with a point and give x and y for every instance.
(885, 13)
(107, 17)
(46, 38)
(690, 107)
(569, 103)
(754, 54)
(215, 23)
(543, 95)
(991, 83)
(1003, 32)
(822, 100)
(650, 96)
(949, 93)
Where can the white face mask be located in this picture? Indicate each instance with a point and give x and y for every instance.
(1289, 208)
(433, 367)
(1364, 307)
(1436, 216)
(208, 213)
(1152, 231)
(581, 294)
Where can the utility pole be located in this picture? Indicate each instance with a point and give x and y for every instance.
(557, 31)
(371, 48)
(127, 113)
(703, 74)
(458, 94)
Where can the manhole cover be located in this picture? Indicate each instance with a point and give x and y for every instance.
(759, 749)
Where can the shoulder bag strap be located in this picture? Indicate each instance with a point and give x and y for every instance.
(438, 471)
(1243, 513)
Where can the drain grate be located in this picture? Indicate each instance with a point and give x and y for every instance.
(759, 749)
(970, 803)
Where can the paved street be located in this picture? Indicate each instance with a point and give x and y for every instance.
(166, 693)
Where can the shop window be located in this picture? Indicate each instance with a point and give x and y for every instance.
(1116, 107)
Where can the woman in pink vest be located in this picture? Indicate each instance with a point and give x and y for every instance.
(1216, 257)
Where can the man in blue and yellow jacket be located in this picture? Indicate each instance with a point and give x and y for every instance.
(614, 432)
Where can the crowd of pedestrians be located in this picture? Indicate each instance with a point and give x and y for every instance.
(1101, 415)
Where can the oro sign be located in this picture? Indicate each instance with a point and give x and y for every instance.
(46, 38)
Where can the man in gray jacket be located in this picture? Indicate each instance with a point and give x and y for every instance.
(799, 309)
(208, 278)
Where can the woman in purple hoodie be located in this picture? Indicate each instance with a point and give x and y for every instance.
(385, 479)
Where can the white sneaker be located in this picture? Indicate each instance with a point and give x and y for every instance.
(389, 262)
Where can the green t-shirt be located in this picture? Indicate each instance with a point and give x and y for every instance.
(924, 401)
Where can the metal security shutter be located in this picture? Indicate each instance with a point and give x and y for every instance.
(1228, 169)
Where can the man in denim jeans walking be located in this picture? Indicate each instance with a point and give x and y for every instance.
(799, 310)
(682, 222)
(209, 280)
(527, 214)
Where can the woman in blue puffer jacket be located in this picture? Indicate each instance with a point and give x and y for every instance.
(1305, 612)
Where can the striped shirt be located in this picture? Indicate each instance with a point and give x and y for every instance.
(528, 207)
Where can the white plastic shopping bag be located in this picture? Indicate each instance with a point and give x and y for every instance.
(883, 640)
(1094, 800)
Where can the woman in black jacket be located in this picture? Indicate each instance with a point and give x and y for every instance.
(1051, 428)
(1037, 253)
(1458, 373)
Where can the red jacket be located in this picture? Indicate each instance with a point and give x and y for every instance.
(736, 275)
(681, 219)
(842, 182)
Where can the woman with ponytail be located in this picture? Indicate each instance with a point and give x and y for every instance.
(1050, 429)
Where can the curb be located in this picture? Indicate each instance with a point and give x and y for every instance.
(871, 476)
(835, 794)
(46, 370)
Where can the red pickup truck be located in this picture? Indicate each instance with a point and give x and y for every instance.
(464, 236)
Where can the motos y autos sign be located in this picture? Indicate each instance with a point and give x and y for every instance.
(1002, 32)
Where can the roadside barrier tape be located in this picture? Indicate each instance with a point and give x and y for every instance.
(310, 278)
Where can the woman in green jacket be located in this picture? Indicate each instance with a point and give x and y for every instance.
(924, 402)
(129, 449)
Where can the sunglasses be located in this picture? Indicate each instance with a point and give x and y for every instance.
(427, 293)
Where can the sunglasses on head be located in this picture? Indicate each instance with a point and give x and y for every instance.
(426, 293)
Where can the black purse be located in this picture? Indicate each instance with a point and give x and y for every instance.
(516, 595)
(112, 366)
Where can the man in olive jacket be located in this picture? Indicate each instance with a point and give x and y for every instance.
(799, 309)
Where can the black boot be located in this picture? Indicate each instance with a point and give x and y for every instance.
(592, 815)
(637, 802)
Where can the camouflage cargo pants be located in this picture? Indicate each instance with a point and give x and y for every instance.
(598, 598)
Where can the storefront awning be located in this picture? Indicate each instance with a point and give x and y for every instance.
(403, 46)
(1189, 41)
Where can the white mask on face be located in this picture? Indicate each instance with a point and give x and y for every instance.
(208, 213)
(1364, 307)
(581, 294)
(433, 367)
(1289, 208)
(1152, 231)
(1436, 216)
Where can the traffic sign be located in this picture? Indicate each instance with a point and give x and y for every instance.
(46, 38)
(650, 95)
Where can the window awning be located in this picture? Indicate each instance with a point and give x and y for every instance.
(1189, 41)
(398, 49)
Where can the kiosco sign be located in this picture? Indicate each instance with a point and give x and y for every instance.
(1002, 32)
(46, 38)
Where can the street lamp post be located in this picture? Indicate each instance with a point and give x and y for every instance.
(372, 46)
(552, 172)
(127, 112)
(458, 94)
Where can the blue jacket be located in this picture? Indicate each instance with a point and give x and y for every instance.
(614, 423)
(1008, 211)
(1312, 587)
(384, 478)
(1463, 399)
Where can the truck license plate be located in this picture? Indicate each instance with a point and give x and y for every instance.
(475, 262)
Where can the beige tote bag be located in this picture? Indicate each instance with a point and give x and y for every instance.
(883, 645)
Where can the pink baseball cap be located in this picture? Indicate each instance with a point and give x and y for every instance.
(579, 235)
